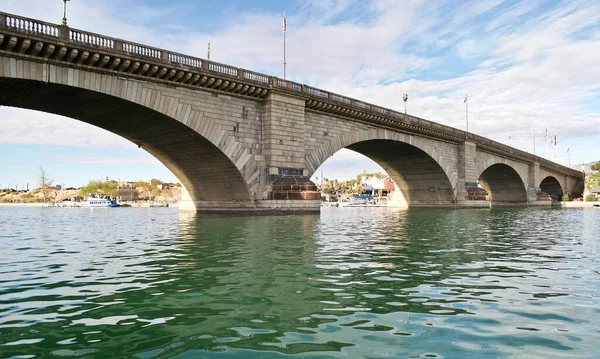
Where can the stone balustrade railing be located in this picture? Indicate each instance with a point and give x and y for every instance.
(323, 100)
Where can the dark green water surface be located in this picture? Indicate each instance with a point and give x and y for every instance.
(350, 283)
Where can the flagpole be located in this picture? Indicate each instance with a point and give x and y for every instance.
(555, 146)
(546, 141)
(533, 129)
(284, 31)
(209, 51)
(467, 110)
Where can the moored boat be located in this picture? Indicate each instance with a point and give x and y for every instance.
(98, 202)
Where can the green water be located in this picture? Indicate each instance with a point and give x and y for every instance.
(350, 283)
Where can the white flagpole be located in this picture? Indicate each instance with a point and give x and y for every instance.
(533, 130)
(546, 140)
(283, 29)
(555, 146)
(467, 111)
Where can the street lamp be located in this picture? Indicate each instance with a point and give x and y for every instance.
(404, 98)
(64, 19)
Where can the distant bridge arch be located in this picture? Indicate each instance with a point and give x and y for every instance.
(503, 184)
(551, 186)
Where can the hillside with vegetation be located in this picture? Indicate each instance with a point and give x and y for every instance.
(47, 192)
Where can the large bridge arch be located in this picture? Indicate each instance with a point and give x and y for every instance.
(180, 127)
(503, 184)
(552, 187)
(505, 180)
(422, 170)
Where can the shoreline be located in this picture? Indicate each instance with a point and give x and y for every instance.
(51, 205)
(34, 205)
(579, 204)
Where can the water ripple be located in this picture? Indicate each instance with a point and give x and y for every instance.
(348, 283)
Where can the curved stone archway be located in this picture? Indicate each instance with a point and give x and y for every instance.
(420, 180)
(205, 170)
(552, 187)
(503, 184)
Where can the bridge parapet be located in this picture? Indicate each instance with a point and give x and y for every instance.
(82, 48)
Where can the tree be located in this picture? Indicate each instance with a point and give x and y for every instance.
(45, 184)
(108, 188)
(596, 166)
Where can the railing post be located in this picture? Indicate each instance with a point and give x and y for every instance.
(240, 73)
(2, 20)
(272, 81)
(118, 46)
(164, 56)
(63, 33)
(204, 65)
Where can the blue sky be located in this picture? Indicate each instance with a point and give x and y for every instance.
(524, 64)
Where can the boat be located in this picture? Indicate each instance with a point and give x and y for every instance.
(362, 201)
(99, 202)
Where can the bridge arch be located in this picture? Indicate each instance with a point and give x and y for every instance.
(552, 187)
(176, 128)
(503, 184)
(421, 170)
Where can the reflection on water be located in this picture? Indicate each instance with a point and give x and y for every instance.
(154, 283)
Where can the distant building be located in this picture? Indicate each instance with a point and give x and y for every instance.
(378, 186)
(595, 191)
(127, 195)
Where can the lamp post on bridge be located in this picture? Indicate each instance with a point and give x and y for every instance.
(404, 98)
(64, 19)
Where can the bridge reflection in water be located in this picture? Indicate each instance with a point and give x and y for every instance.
(230, 134)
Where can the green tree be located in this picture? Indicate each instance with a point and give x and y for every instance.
(100, 188)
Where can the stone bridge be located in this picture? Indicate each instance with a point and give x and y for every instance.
(238, 140)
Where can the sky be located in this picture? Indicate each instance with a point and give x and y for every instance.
(526, 67)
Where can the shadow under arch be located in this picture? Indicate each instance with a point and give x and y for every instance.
(503, 184)
(203, 169)
(552, 187)
(420, 180)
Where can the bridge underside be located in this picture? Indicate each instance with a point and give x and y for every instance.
(205, 171)
(552, 187)
(420, 181)
(503, 185)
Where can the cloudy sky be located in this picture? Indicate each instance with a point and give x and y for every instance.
(525, 65)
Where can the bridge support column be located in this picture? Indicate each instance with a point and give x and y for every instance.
(285, 182)
(532, 184)
(467, 172)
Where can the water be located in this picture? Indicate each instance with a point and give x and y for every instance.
(350, 283)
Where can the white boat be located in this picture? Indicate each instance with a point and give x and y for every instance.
(361, 202)
(96, 202)
(352, 203)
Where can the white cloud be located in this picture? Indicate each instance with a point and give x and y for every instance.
(33, 127)
(103, 160)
